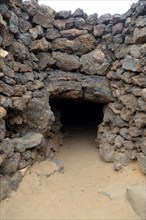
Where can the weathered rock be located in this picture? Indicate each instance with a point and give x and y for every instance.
(2, 129)
(19, 50)
(6, 148)
(134, 131)
(72, 33)
(63, 14)
(131, 64)
(45, 60)
(5, 188)
(135, 51)
(10, 165)
(36, 32)
(15, 180)
(143, 94)
(142, 162)
(23, 25)
(139, 35)
(104, 19)
(140, 120)
(52, 33)
(99, 30)
(140, 80)
(129, 101)
(119, 141)
(121, 158)
(40, 45)
(28, 141)
(106, 152)
(137, 199)
(14, 23)
(66, 62)
(80, 45)
(39, 116)
(117, 28)
(64, 24)
(92, 19)
(44, 17)
(94, 62)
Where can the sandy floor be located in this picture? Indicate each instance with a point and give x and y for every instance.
(88, 188)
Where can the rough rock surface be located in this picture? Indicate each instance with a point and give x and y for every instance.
(45, 53)
(137, 198)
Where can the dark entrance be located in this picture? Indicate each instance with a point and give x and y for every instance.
(79, 116)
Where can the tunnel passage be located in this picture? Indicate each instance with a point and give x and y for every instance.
(78, 116)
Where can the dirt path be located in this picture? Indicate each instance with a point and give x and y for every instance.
(88, 188)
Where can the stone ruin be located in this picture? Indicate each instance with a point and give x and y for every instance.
(62, 55)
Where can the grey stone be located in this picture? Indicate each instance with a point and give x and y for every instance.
(66, 62)
(140, 120)
(117, 28)
(131, 64)
(40, 45)
(129, 145)
(10, 165)
(15, 180)
(121, 158)
(80, 45)
(52, 33)
(14, 23)
(44, 60)
(94, 62)
(64, 24)
(19, 50)
(140, 80)
(129, 101)
(2, 129)
(104, 19)
(5, 188)
(139, 35)
(142, 162)
(72, 33)
(99, 30)
(36, 32)
(28, 141)
(44, 17)
(119, 141)
(137, 199)
(38, 109)
(7, 148)
(63, 14)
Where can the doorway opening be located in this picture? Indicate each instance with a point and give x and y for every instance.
(78, 117)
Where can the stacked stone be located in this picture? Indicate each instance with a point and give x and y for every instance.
(101, 59)
(122, 135)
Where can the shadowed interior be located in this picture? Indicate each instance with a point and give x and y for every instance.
(79, 115)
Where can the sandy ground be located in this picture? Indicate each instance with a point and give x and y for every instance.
(87, 189)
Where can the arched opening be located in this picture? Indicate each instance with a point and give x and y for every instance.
(78, 117)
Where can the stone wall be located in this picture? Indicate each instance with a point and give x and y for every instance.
(45, 53)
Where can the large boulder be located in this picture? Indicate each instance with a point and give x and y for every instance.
(80, 45)
(137, 198)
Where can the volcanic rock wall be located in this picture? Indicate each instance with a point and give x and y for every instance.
(45, 53)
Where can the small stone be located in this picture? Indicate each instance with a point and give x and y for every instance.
(2, 112)
(40, 45)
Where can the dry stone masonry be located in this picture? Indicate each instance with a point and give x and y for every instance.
(68, 55)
